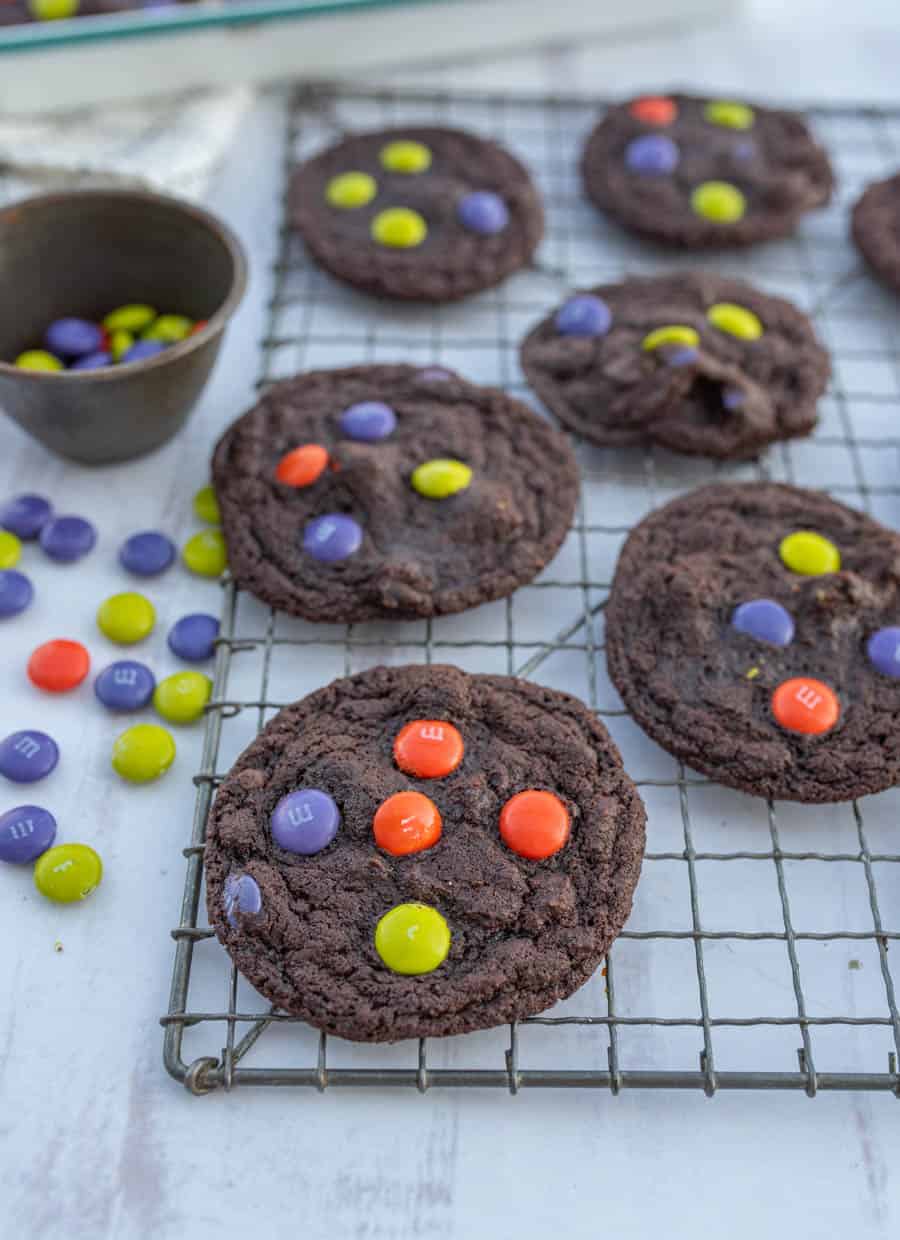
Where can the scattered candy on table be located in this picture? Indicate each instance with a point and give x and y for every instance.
(26, 515)
(193, 637)
(126, 618)
(68, 873)
(204, 553)
(143, 753)
(27, 756)
(206, 506)
(305, 821)
(58, 666)
(125, 685)
(128, 334)
(182, 697)
(147, 553)
(67, 539)
(412, 939)
(25, 833)
(10, 549)
(16, 592)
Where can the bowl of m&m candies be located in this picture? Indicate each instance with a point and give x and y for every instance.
(122, 299)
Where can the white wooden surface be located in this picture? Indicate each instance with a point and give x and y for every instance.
(95, 1140)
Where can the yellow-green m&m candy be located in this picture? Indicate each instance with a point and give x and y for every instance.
(729, 114)
(206, 506)
(169, 328)
(204, 553)
(441, 478)
(38, 359)
(143, 753)
(809, 554)
(132, 318)
(674, 333)
(181, 698)
(719, 202)
(126, 618)
(10, 549)
(351, 190)
(412, 939)
(68, 873)
(406, 156)
(735, 320)
(52, 10)
(399, 228)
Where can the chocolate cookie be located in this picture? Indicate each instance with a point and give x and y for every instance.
(390, 492)
(752, 630)
(415, 852)
(421, 214)
(698, 362)
(875, 225)
(698, 173)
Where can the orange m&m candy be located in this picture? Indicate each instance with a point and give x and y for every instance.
(302, 466)
(428, 748)
(805, 705)
(58, 666)
(406, 823)
(534, 824)
(654, 110)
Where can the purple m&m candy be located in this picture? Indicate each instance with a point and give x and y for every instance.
(125, 685)
(305, 821)
(67, 538)
(16, 592)
(143, 349)
(584, 315)
(677, 354)
(73, 337)
(733, 398)
(368, 421)
(242, 897)
(147, 553)
(332, 537)
(883, 649)
(483, 212)
(194, 637)
(435, 374)
(25, 833)
(765, 620)
(652, 155)
(26, 515)
(93, 361)
(27, 756)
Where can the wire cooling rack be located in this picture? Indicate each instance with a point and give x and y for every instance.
(758, 952)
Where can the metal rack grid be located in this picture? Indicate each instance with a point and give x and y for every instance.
(760, 935)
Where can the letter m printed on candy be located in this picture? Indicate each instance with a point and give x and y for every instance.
(27, 747)
(808, 697)
(300, 814)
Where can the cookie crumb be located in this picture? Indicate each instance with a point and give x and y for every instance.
(854, 964)
(752, 673)
(57, 947)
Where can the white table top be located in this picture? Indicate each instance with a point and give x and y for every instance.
(98, 1142)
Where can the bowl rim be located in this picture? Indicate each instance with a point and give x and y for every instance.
(213, 325)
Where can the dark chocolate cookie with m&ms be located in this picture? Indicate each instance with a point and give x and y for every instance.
(698, 362)
(390, 492)
(704, 173)
(421, 214)
(753, 630)
(414, 851)
(875, 226)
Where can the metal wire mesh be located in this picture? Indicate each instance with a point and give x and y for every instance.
(760, 935)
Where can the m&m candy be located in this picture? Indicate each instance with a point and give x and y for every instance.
(204, 553)
(147, 553)
(302, 466)
(483, 212)
(805, 705)
(651, 155)
(182, 697)
(142, 350)
(305, 821)
(735, 320)
(206, 506)
(809, 554)
(765, 620)
(38, 359)
(10, 549)
(143, 753)
(399, 228)
(169, 328)
(534, 824)
(27, 756)
(654, 110)
(719, 202)
(332, 537)
(126, 618)
(434, 374)
(93, 361)
(351, 190)
(428, 748)
(67, 539)
(441, 478)
(671, 334)
(53, 10)
(58, 666)
(406, 156)
(68, 873)
(368, 421)
(73, 338)
(405, 823)
(730, 115)
(193, 637)
(583, 315)
(25, 833)
(242, 897)
(16, 592)
(412, 939)
(132, 318)
(125, 685)
(883, 650)
(119, 344)
(25, 516)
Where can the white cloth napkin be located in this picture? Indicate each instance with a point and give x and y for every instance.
(173, 145)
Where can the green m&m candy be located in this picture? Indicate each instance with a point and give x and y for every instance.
(441, 478)
(68, 873)
(399, 228)
(168, 328)
(143, 753)
(52, 10)
(729, 114)
(205, 554)
(181, 698)
(718, 201)
(735, 320)
(206, 506)
(351, 190)
(119, 343)
(38, 359)
(10, 549)
(132, 318)
(672, 333)
(126, 618)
